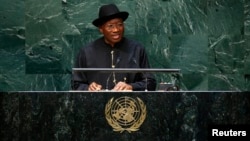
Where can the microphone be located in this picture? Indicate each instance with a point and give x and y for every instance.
(146, 85)
(113, 66)
(107, 82)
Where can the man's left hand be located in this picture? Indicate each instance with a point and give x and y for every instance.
(122, 86)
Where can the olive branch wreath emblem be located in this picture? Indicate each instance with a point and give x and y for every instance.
(117, 126)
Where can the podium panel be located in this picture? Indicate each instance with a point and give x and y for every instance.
(119, 116)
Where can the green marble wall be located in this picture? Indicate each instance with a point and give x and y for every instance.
(207, 39)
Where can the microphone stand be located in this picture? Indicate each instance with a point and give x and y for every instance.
(107, 83)
(146, 87)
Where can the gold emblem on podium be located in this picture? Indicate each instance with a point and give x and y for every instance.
(125, 113)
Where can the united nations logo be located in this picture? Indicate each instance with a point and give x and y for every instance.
(125, 114)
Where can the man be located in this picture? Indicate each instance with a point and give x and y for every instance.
(112, 51)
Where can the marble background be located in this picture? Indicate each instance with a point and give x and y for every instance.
(207, 39)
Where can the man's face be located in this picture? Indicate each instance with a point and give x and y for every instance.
(112, 30)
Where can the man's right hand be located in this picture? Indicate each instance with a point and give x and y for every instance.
(94, 87)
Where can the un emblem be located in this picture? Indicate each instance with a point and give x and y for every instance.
(125, 113)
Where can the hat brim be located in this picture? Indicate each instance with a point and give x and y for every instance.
(100, 21)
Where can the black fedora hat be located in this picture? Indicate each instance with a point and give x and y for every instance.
(108, 12)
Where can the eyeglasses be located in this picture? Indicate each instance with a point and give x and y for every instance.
(110, 27)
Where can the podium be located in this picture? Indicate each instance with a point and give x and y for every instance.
(161, 86)
(128, 70)
(80, 115)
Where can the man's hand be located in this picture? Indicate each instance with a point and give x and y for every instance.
(94, 87)
(122, 86)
